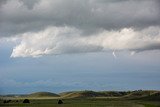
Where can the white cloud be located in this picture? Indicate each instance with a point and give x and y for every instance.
(66, 40)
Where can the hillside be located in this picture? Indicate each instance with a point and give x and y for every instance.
(130, 95)
(139, 94)
(42, 94)
(80, 94)
(153, 96)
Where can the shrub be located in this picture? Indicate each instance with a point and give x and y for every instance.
(26, 101)
(60, 102)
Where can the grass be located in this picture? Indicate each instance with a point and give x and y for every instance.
(91, 102)
(150, 103)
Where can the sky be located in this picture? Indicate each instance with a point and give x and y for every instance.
(66, 45)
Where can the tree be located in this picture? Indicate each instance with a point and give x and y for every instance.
(26, 101)
(60, 102)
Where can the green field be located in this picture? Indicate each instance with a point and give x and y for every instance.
(85, 99)
(93, 102)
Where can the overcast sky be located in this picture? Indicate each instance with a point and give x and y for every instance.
(60, 45)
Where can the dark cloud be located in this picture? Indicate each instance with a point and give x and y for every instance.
(29, 3)
(2, 2)
(20, 16)
(153, 46)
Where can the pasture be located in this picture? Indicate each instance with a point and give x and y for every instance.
(90, 102)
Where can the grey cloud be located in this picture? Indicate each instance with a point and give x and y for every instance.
(29, 3)
(2, 2)
(20, 16)
(153, 46)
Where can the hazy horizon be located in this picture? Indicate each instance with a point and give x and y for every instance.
(68, 45)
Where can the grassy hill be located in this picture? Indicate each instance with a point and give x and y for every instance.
(147, 94)
(155, 96)
(81, 94)
(130, 95)
(43, 94)
(86, 94)
(139, 94)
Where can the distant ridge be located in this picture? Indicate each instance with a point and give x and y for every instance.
(42, 94)
(138, 94)
(80, 94)
(151, 95)
(144, 95)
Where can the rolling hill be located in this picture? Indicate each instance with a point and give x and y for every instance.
(139, 94)
(86, 94)
(130, 95)
(42, 94)
(146, 94)
(80, 94)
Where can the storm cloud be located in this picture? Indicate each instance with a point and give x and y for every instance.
(78, 26)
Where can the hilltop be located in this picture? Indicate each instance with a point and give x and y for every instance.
(130, 95)
(138, 94)
(42, 94)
